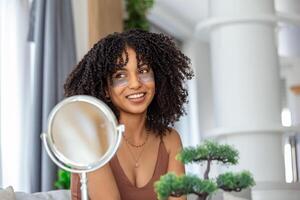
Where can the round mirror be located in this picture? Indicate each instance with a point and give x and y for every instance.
(83, 135)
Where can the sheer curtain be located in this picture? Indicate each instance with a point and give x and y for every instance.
(55, 55)
(14, 64)
(31, 83)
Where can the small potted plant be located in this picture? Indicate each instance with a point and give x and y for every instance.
(206, 153)
(136, 14)
(64, 179)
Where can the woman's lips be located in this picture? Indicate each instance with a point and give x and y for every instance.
(137, 97)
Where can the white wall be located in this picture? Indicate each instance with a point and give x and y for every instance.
(80, 15)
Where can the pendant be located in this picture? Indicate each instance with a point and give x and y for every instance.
(137, 165)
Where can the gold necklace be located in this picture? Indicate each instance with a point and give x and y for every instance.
(136, 160)
(134, 145)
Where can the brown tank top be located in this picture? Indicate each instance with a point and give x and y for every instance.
(127, 190)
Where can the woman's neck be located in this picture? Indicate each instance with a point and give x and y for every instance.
(134, 126)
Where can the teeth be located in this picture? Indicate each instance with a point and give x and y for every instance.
(133, 96)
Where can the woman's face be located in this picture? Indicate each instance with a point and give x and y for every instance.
(132, 88)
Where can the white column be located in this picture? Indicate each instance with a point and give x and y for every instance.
(81, 22)
(246, 87)
(199, 109)
(292, 76)
(200, 106)
(289, 50)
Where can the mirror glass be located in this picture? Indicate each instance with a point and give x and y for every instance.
(82, 132)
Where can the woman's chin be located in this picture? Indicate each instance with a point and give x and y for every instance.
(135, 110)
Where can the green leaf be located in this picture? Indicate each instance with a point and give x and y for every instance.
(209, 150)
(172, 185)
(64, 179)
(136, 14)
(235, 181)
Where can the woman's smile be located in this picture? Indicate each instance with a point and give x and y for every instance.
(137, 97)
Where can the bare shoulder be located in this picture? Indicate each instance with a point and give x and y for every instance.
(173, 145)
(172, 141)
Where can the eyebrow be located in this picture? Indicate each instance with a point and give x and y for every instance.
(119, 69)
(123, 69)
(143, 66)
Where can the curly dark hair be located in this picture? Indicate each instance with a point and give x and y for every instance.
(171, 68)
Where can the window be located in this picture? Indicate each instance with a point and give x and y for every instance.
(13, 62)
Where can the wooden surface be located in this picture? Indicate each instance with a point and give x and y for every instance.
(105, 16)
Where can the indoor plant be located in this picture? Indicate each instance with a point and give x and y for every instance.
(206, 153)
(136, 11)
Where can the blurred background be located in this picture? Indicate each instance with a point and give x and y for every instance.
(246, 90)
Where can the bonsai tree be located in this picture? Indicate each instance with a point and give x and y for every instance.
(206, 153)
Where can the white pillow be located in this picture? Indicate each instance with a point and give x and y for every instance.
(50, 195)
(26, 196)
(7, 193)
(54, 195)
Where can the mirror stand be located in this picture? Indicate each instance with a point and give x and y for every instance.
(83, 174)
(83, 188)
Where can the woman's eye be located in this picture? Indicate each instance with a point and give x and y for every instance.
(144, 71)
(119, 76)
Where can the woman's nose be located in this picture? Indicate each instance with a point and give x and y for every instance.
(134, 82)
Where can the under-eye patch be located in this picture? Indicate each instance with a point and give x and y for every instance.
(120, 83)
(146, 75)
(121, 78)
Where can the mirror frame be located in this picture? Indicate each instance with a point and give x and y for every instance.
(58, 157)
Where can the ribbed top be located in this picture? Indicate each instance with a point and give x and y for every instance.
(127, 190)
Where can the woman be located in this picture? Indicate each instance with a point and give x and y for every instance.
(140, 75)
